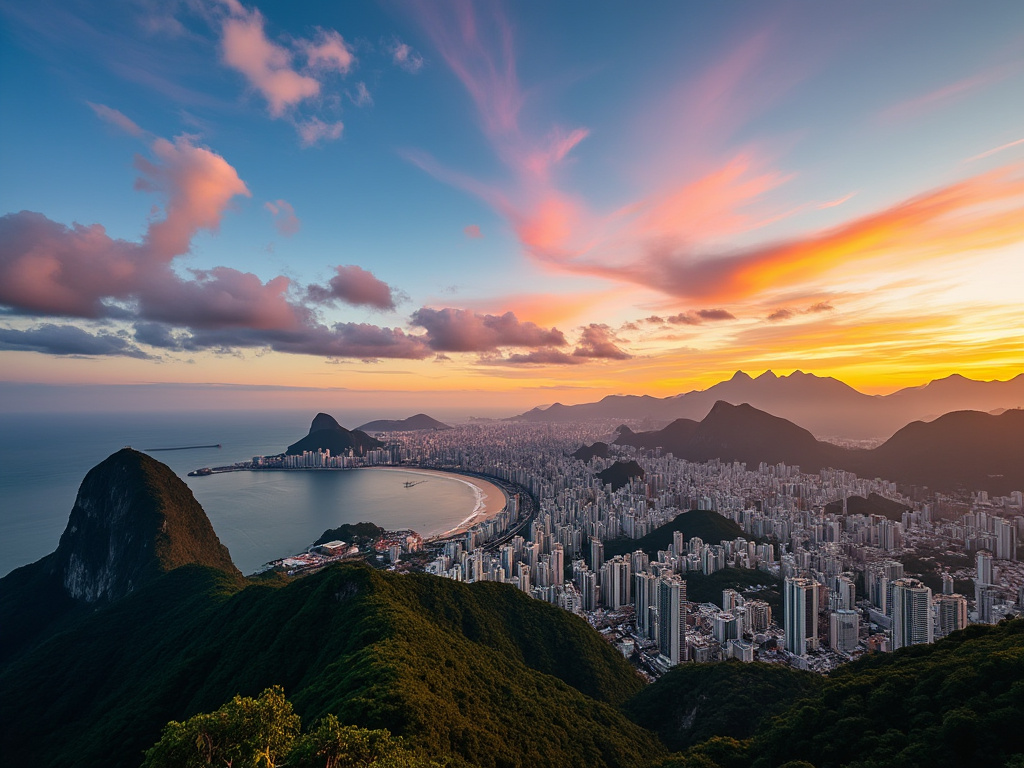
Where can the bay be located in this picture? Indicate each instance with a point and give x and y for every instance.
(259, 516)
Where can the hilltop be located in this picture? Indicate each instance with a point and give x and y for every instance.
(326, 434)
(133, 520)
(412, 424)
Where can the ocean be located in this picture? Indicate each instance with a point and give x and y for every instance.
(259, 516)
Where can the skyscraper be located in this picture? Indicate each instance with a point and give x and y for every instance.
(950, 614)
(844, 630)
(672, 618)
(800, 615)
(911, 613)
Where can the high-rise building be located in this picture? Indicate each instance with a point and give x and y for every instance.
(950, 614)
(982, 582)
(759, 615)
(730, 599)
(645, 597)
(800, 615)
(557, 564)
(911, 613)
(596, 554)
(678, 544)
(672, 618)
(947, 583)
(726, 628)
(844, 630)
(1006, 539)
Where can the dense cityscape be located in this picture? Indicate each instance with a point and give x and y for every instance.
(814, 587)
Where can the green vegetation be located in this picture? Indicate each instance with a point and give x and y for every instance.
(263, 732)
(480, 674)
(695, 702)
(704, 524)
(353, 533)
(957, 702)
(708, 589)
(872, 505)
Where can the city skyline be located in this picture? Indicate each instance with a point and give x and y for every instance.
(488, 208)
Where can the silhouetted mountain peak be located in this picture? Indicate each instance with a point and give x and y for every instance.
(324, 421)
(740, 376)
(769, 374)
(412, 424)
(325, 433)
(132, 520)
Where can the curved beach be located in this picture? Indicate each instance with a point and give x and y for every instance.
(490, 499)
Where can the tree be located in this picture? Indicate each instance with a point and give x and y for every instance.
(244, 733)
(264, 733)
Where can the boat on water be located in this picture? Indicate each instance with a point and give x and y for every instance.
(411, 483)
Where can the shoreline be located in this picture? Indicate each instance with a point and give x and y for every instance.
(482, 511)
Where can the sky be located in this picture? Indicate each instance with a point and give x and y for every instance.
(484, 207)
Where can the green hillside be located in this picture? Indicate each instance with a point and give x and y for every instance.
(694, 702)
(479, 672)
(709, 526)
(955, 703)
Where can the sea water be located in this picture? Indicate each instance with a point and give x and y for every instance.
(259, 516)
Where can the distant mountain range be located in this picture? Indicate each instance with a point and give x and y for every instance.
(412, 424)
(326, 434)
(963, 449)
(825, 406)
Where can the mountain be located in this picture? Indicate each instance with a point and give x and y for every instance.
(474, 674)
(412, 424)
(587, 452)
(326, 434)
(620, 473)
(740, 433)
(965, 448)
(823, 405)
(133, 520)
(962, 450)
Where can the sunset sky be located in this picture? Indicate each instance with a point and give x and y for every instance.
(483, 207)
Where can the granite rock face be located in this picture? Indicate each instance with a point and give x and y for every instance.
(133, 519)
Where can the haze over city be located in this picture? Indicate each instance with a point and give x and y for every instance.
(483, 208)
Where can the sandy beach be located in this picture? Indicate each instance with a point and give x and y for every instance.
(490, 499)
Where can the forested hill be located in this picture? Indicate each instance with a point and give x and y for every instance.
(481, 673)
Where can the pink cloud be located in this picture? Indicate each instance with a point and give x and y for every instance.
(944, 95)
(459, 330)
(46, 267)
(266, 65)
(472, 231)
(198, 185)
(117, 119)
(356, 286)
(598, 341)
(328, 51)
(405, 57)
(315, 130)
(285, 220)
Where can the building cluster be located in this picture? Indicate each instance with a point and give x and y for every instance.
(843, 581)
(321, 459)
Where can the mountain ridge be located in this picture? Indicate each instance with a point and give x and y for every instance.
(420, 421)
(824, 405)
(968, 449)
